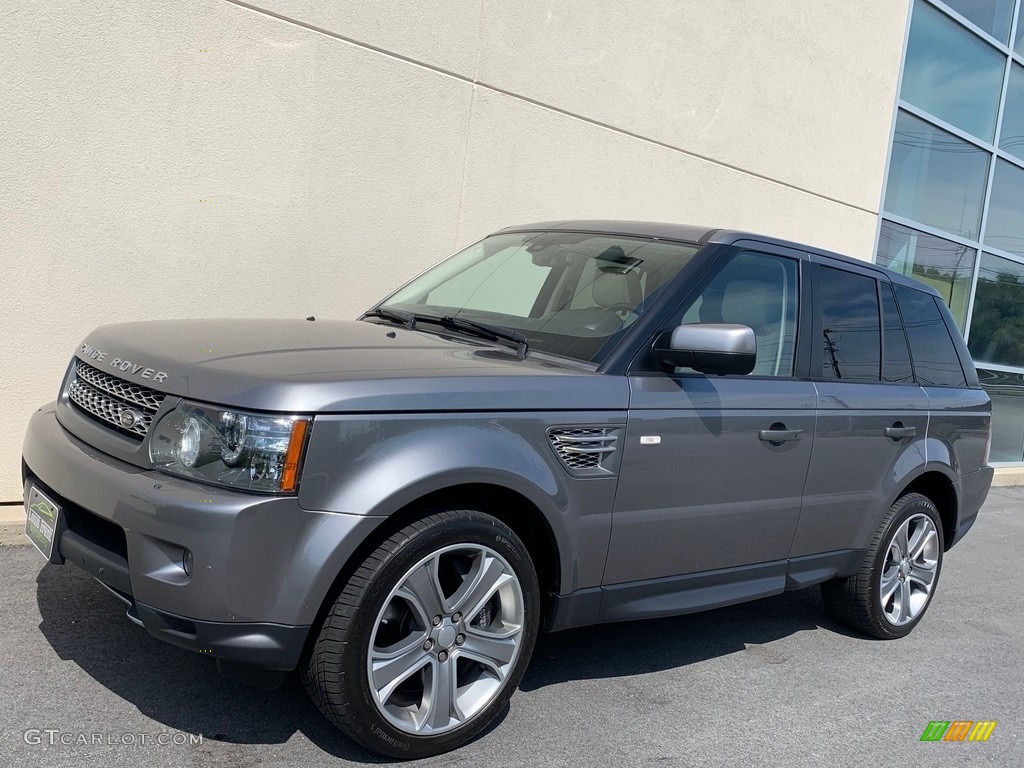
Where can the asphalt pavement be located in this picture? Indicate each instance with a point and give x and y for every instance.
(770, 683)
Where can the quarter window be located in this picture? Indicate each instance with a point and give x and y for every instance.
(936, 362)
(851, 331)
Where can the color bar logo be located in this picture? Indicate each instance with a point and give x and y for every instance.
(958, 730)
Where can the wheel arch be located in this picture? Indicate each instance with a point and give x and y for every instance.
(511, 507)
(941, 488)
(518, 511)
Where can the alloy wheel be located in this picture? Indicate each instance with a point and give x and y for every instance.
(445, 639)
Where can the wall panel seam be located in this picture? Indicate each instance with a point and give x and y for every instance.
(473, 81)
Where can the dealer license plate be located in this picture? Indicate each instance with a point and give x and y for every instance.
(41, 523)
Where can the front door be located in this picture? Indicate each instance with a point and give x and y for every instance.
(713, 467)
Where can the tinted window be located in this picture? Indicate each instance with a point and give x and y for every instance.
(759, 291)
(935, 360)
(1005, 216)
(997, 325)
(942, 58)
(851, 330)
(936, 178)
(946, 266)
(896, 366)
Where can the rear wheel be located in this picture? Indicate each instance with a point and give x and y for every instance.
(430, 636)
(890, 593)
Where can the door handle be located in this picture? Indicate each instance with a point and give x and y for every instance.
(779, 435)
(897, 431)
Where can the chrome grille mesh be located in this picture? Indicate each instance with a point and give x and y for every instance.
(584, 450)
(119, 388)
(106, 397)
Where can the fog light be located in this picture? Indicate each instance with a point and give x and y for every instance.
(186, 562)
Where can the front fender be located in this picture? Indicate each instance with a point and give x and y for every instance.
(377, 465)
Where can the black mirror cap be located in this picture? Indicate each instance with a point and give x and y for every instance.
(715, 348)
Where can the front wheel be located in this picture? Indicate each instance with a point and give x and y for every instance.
(429, 637)
(889, 595)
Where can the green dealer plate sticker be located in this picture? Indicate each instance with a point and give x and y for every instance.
(41, 523)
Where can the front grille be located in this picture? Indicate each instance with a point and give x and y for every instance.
(106, 398)
(585, 451)
(119, 388)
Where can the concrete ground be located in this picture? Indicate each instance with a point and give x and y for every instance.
(770, 683)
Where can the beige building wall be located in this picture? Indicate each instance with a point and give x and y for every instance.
(189, 158)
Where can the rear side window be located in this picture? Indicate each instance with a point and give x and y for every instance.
(896, 365)
(935, 360)
(851, 330)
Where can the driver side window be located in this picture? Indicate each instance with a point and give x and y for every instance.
(759, 291)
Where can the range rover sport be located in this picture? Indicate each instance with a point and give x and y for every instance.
(563, 424)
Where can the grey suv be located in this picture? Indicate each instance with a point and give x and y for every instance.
(565, 423)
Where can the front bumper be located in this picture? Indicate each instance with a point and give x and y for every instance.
(261, 566)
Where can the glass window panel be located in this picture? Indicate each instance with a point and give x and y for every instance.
(1011, 134)
(997, 323)
(952, 73)
(1005, 226)
(851, 329)
(935, 178)
(896, 362)
(1007, 393)
(993, 16)
(508, 284)
(936, 363)
(944, 265)
(759, 291)
(1019, 44)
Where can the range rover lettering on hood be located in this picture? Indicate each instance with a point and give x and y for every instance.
(124, 366)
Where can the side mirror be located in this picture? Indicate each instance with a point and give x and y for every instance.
(708, 348)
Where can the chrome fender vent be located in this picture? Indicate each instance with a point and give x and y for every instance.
(586, 451)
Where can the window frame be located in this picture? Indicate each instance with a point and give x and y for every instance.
(643, 362)
(903, 328)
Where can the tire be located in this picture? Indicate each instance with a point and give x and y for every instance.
(890, 593)
(397, 666)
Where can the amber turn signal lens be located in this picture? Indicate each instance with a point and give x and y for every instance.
(290, 473)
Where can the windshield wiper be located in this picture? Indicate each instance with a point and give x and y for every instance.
(481, 330)
(490, 332)
(407, 319)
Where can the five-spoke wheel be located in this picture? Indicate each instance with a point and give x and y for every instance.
(911, 565)
(445, 639)
(429, 637)
(888, 596)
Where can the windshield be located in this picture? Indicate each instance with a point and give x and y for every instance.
(569, 294)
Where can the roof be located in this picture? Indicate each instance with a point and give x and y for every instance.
(661, 230)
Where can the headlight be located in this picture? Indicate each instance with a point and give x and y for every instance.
(247, 451)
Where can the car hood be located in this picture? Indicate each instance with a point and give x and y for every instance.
(340, 366)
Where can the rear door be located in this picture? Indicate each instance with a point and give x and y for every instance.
(872, 418)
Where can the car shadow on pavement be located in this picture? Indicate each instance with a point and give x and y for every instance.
(181, 690)
(639, 647)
